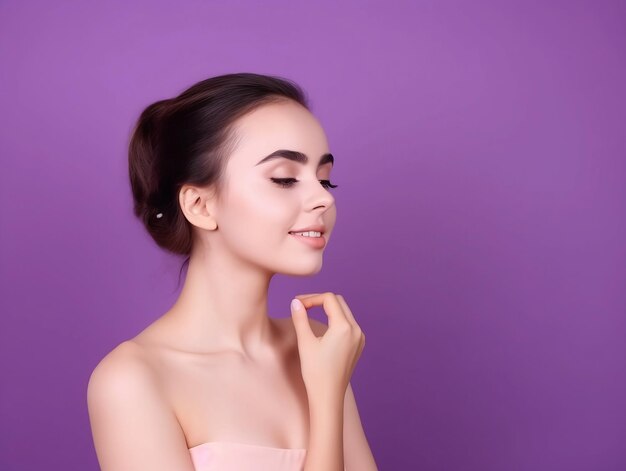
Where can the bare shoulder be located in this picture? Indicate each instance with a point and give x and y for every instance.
(129, 416)
(122, 373)
(124, 366)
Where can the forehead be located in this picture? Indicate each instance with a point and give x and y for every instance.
(283, 125)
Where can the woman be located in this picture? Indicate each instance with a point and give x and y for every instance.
(234, 173)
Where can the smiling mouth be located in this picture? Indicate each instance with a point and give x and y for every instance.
(312, 241)
(313, 234)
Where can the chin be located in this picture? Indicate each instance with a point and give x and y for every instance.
(302, 270)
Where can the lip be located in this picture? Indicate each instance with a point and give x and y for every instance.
(315, 242)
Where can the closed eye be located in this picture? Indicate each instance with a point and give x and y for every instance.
(288, 182)
(328, 184)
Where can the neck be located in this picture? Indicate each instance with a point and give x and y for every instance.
(223, 307)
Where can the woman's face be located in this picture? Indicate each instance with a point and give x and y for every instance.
(256, 214)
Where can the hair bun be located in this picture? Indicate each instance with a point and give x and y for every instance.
(187, 139)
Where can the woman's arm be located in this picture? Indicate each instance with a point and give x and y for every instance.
(325, 420)
(325, 449)
(132, 426)
(357, 453)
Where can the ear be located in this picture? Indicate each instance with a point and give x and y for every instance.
(197, 205)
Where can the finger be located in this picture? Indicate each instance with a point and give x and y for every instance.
(301, 323)
(331, 306)
(299, 296)
(350, 317)
(347, 311)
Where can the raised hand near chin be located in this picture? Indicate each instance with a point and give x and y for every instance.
(327, 362)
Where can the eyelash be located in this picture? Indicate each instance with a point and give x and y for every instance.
(288, 182)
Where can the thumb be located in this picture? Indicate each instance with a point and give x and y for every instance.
(300, 321)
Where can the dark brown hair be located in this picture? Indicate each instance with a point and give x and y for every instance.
(187, 139)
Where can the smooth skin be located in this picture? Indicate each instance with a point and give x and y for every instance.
(216, 366)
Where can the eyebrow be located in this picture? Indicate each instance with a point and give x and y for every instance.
(297, 157)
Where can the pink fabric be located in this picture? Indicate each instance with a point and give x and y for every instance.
(230, 456)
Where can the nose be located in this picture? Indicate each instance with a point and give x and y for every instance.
(320, 197)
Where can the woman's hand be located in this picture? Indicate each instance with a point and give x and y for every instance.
(327, 362)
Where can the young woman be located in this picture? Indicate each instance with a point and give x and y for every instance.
(233, 173)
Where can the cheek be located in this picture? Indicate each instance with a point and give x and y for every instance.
(261, 210)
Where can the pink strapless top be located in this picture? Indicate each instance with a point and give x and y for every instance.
(231, 456)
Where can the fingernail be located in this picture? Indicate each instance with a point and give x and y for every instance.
(296, 304)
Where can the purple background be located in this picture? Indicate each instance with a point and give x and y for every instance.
(481, 230)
